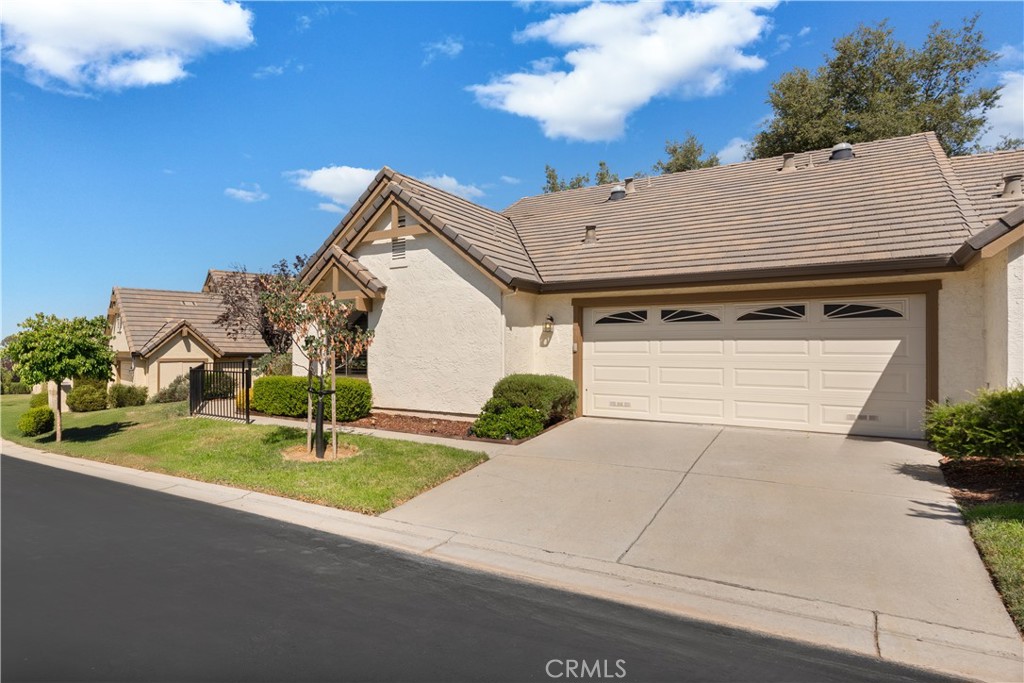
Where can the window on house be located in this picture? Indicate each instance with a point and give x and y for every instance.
(839, 311)
(786, 312)
(683, 315)
(623, 317)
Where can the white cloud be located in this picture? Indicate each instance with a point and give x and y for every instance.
(77, 47)
(247, 193)
(510, 180)
(449, 47)
(449, 184)
(341, 184)
(1007, 118)
(270, 70)
(803, 32)
(735, 150)
(619, 57)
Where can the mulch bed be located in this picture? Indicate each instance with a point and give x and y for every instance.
(413, 425)
(979, 481)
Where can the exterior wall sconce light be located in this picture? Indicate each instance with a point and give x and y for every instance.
(549, 325)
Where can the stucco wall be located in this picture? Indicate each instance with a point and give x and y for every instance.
(181, 350)
(1015, 314)
(438, 333)
(996, 324)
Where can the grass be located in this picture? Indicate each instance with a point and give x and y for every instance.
(998, 531)
(162, 438)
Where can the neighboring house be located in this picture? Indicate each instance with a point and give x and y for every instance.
(158, 335)
(833, 291)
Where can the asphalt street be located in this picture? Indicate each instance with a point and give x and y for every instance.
(107, 582)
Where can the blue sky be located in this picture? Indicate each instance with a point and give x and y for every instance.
(146, 142)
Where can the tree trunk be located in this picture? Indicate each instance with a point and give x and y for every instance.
(309, 409)
(58, 420)
(334, 407)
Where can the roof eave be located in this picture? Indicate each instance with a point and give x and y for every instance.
(908, 266)
(971, 249)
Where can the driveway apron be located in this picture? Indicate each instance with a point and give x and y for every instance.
(860, 522)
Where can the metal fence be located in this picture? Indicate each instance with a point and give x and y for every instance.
(220, 389)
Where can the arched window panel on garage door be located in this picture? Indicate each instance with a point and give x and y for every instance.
(845, 311)
(623, 318)
(775, 313)
(688, 315)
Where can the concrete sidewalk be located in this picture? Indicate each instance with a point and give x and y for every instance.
(972, 653)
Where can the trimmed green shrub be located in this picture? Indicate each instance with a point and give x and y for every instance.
(280, 395)
(82, 382)
(17, 388)
(355, 398)
(122, 395)
(240, 399)
(39, 400)
(36, 421)
(553, 396)
(218, 384)
(513, 423)
(991, 425)
(177, 390)
(87, 398)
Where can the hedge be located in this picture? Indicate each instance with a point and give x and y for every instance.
(355, 398)
(122, 395)
(36, 421)
(991, 425)
(39, 400)
(15, 388)
(513, 423)
(552, 395)
(218, 384)
(86, 398)
(280, 395)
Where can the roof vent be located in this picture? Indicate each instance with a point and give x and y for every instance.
(618, 192)
(844, 150)
(630, 186)
(1011, 187)
(590, 234)
(788, 162)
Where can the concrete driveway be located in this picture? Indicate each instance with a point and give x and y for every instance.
(865, 523)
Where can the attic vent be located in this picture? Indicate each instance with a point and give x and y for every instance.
(844, 150)
(788, 162)
(401, 221)
(398, 249)
(188, 303)
(630, 186)
(618, 192)
(590, 234)
(1011, 186)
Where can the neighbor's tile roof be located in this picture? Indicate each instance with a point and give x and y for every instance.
(151, 316)
(982, 177)
(899, 203)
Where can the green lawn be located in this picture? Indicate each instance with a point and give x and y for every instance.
(998, 532)
(162, 438)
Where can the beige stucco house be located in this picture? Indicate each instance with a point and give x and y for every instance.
(158, 335)
(834, 291)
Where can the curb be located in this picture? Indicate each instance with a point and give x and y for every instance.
(977, 655)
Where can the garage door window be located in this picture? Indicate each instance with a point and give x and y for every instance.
(623, 317)
(842, 311)
(786, 312)
(683, 315)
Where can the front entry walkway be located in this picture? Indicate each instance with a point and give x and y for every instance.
(844, 522)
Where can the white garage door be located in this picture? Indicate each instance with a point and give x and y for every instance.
(838, 365)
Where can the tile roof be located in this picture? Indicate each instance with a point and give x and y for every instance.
(982, 177)
(898, 204)
(151, 316)
(359, 272)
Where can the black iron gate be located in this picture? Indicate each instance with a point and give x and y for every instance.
(220, 389)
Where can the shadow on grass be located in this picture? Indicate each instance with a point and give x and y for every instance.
(280, 435)
(1010, 512)
(86, 434)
